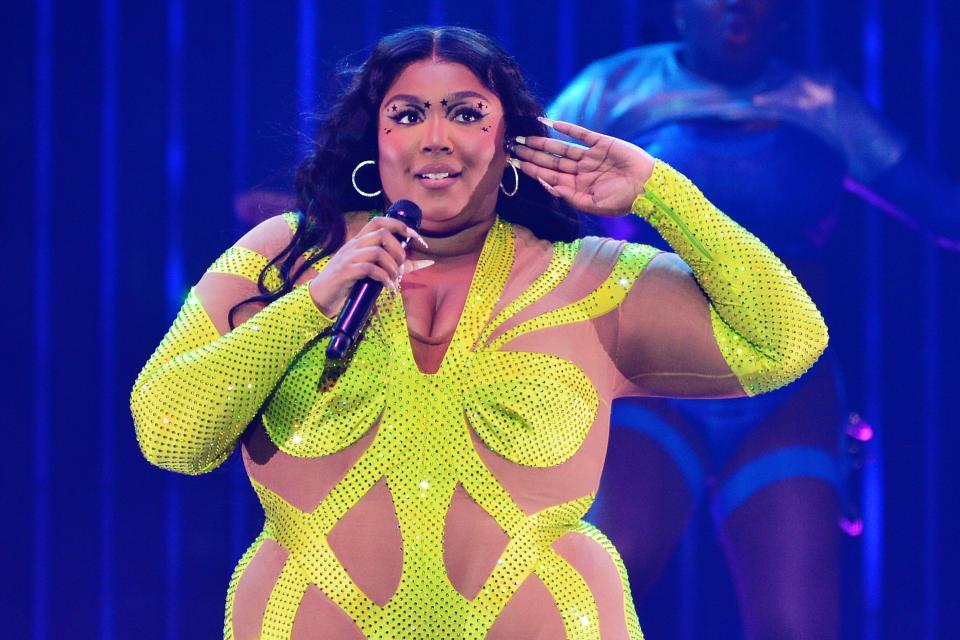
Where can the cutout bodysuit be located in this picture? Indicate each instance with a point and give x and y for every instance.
(405, 504)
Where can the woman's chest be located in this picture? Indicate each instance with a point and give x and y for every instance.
(523, 370)
(432, 319)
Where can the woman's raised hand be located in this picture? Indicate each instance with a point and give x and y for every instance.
(604, 176)
(374, 252)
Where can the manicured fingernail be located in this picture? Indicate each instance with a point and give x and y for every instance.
(416, 265)
(513, 162)
(549, 189)
(546, 121)
(416, 236)
(521, 139)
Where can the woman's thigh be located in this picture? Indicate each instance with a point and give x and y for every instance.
(652, 480)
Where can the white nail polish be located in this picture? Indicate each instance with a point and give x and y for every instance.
(549, 189)
(413, 235)
(513, 162)
(521, 139)
(546, 121)
(416, 265)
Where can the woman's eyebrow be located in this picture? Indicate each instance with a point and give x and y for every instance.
(463, 95)
(457, 96)
(403, 97)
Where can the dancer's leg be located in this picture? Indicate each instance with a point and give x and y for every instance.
(776, 510)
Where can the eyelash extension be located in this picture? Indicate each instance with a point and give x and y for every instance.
(454, 111)
(476, 114)
(397, 116)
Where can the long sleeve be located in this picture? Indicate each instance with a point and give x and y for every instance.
(199, 390)
(766, 327)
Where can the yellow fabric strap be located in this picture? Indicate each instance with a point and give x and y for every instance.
(630, 264)
(561, 260)
(248, 264)
(245, 559)
(766, 326)
(293, 221)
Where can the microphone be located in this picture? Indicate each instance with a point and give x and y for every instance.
(356, 310)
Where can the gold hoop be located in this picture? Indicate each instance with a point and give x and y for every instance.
(516, 182)
(353, 179)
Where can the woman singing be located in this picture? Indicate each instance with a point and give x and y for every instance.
(432, 483)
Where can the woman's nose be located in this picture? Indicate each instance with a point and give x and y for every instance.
(436, 138)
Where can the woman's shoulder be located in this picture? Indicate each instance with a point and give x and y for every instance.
(594, 253)
(270, 237)
(610, 254)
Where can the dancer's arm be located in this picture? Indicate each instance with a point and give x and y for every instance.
(884, 171)
(929, 201)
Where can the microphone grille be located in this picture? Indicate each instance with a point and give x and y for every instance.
(406, 211)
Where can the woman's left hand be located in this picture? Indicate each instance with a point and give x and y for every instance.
(604, 177)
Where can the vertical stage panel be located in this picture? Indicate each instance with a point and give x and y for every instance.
(174, 284)
(872, 362)
(70, 295)
(43, 208)
(109, 421)
(931, 399)
(25, 168)
(139, 537)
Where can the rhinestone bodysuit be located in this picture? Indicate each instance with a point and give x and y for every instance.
(503, 397)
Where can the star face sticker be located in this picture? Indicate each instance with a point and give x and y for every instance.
(444, 102)
(480, 105)
(485, 129)
(387, 131)
(426, 105)
(393, 108)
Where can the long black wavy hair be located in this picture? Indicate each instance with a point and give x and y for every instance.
(347, 135)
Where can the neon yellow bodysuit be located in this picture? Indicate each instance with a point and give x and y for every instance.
(401, 504)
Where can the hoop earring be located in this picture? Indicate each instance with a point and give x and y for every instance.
(516, 182)
(353, 179)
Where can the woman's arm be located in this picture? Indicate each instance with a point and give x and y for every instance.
(741, 304)
(721, 317)
(205, 383)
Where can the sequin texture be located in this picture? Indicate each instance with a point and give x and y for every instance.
(768, 329)
(200, 390)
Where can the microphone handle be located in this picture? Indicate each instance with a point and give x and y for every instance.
(354, 315)
(356, 310)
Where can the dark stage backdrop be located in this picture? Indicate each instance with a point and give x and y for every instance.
(127, 129)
